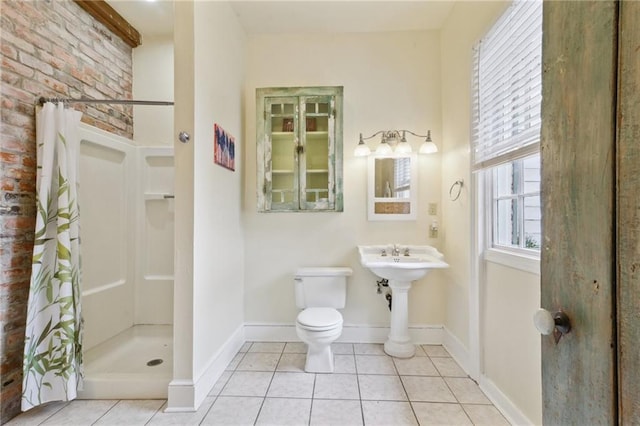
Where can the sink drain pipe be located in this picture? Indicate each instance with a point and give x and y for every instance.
(384, 283)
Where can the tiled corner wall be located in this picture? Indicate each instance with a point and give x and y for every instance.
(48, 48)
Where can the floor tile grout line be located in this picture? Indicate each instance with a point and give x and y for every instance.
(105, 413)
(52, 414)
(158, 410)
(208, 409)
(313, 391)
(225, 383)
(464, 410)
(415, 416)
(355, 364)
(264, 398)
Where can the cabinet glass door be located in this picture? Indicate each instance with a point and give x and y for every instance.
(316, 182)
(282, 128)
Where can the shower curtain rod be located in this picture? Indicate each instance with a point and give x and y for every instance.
(43, 100)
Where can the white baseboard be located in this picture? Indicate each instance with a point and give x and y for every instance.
(187, 395)
(503, 403)
(270, 332)
(351, 333)
(456, 349)
(181, 397)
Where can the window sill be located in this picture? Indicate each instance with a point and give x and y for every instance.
(521, 261)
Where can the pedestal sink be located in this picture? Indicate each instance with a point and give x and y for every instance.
(401, 265)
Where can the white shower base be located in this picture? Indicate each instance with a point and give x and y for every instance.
(117, 368)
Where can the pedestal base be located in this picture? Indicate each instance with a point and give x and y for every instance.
(400, 350)
(399, 343)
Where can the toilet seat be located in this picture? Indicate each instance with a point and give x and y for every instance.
(319, 319)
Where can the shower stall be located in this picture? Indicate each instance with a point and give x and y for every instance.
(127, 222)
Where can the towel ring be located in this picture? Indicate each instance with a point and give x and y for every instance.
(459, 183)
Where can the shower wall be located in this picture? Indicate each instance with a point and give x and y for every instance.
(127, 234)
(107, 238)
(154, 258)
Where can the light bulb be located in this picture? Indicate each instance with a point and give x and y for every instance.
(403, 146)
(428, 147)
(361, 150)
(384, 149)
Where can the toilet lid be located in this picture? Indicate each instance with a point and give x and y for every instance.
(319, 317)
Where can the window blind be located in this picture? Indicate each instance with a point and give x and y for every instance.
(402, 177)
(507, 87)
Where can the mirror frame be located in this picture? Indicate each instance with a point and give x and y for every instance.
(372, 200)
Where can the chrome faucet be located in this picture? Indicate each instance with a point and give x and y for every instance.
(396, 250)
(383, 253)
(406, 251)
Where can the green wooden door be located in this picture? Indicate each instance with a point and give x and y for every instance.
(590, 266)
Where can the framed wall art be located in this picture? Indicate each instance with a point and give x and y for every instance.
(224, 148)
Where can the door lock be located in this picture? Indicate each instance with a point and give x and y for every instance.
(557, 324)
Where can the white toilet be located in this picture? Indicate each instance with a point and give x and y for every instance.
(319, 292)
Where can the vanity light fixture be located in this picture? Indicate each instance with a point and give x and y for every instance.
(394, 141)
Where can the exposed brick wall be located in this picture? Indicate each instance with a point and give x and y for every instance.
(48, 48)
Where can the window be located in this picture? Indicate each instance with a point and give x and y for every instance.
(516, 204)
(507, 92)
(402, 177)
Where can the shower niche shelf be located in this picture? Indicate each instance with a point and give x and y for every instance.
(157, 196)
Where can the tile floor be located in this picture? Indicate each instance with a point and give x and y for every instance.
(265, 384)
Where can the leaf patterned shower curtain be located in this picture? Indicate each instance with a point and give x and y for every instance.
(52, 369)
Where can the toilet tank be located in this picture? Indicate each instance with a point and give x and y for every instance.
(321, 287)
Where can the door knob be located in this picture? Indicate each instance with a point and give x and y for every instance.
(548, 323)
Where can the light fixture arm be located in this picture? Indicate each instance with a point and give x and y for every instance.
(396, 133)
(428, 135)
(375, 134)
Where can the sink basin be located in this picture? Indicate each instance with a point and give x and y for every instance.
(412, 263)
(409, 263)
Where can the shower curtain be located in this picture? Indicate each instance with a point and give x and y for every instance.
(52, 369)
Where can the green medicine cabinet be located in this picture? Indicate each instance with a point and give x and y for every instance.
(299, 137)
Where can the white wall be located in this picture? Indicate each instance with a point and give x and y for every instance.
(219, 258)
(153, 81)
(209, 58)
(510, 347)
(391, 81)
(181, 393)
(466, 24)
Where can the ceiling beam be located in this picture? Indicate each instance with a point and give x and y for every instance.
(111, 19)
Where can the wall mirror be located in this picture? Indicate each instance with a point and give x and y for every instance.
(392, 187)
